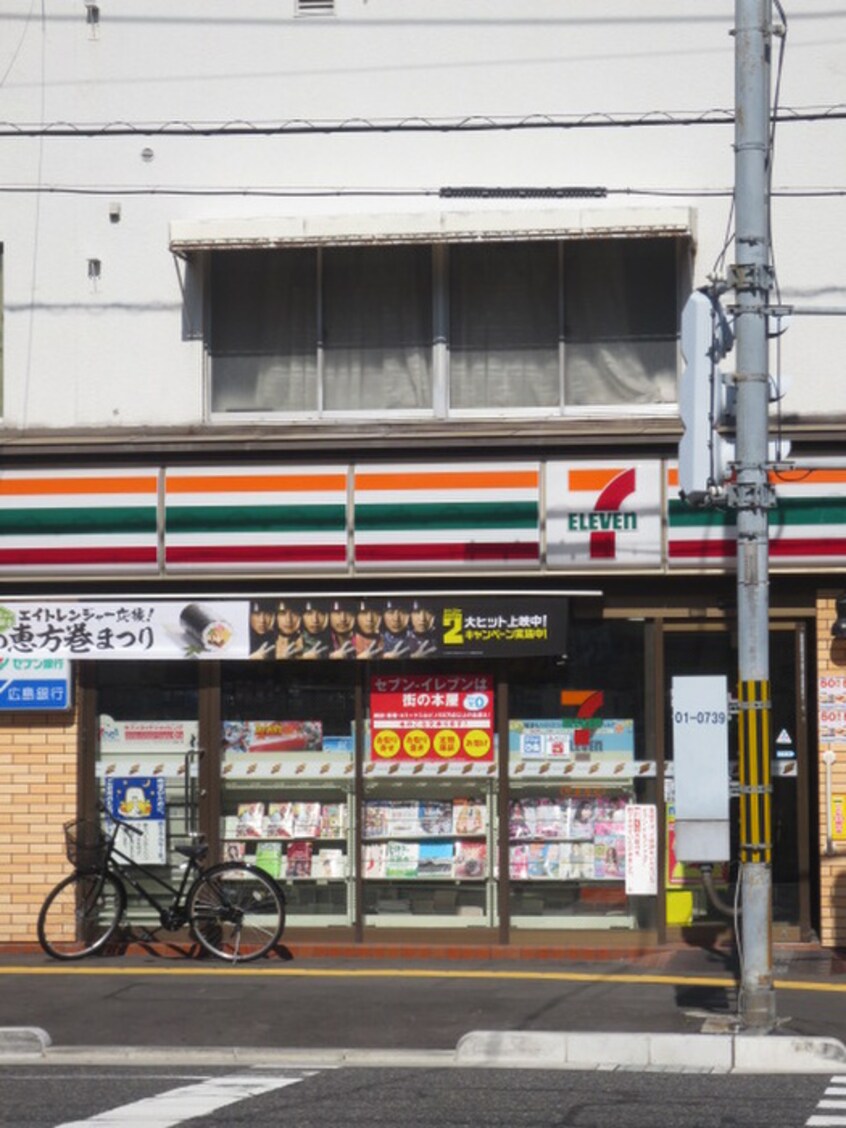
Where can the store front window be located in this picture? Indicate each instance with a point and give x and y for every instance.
(288, 782)
(429, 777)
(146, 762)
(580, 765)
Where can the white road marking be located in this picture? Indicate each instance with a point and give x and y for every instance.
(826, 1122)
(176, 1105)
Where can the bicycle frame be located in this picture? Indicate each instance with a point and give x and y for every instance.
(170, 916)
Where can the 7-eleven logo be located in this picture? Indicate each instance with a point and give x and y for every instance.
(605, 520)
(588, 702)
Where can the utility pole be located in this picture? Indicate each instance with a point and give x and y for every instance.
(751, 496)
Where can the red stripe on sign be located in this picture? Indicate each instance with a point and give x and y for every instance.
(686, 550)
(399, 553)
(257, 554)
(806, 546)
(58, 557)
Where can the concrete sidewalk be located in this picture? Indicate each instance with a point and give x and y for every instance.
(671, 1009)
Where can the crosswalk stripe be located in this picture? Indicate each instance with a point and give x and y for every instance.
(826, 1122)
(832, 1104)
(176, 1105)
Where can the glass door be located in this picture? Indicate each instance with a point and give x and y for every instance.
(711, 649)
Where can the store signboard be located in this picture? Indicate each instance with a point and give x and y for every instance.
(831, 701)
(432, 718)
(641, 850)
(287, 628)
(162, 737)
(34, 683)
(141, 801)
(604, 514)
(131, 629)
(572, 738)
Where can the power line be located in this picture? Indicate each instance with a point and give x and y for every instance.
(470, 124)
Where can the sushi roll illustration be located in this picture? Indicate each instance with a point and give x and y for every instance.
(204, 629)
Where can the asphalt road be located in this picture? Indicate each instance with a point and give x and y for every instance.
(147, 1001)
(47, 1097)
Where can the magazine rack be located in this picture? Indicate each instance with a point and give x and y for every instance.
(427, 848)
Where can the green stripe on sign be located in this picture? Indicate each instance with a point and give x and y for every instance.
(809, 511)
(256, 519)
(682, 516)
(447, 515)
(66, 522)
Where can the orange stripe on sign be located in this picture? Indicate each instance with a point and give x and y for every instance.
(255, 483)
(31, 487)
(673, 476)
(591, 481)
(450, 479)
(807, 477)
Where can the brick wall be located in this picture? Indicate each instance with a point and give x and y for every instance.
(38, 770)
(831, 659)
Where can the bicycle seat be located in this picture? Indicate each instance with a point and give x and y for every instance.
(196, 851)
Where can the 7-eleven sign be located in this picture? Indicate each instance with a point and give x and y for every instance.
(604, 514)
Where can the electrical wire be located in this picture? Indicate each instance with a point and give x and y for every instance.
(471, 124)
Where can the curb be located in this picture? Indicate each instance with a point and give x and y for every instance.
(490, 1049)
(23, 1041)
(734, 1053)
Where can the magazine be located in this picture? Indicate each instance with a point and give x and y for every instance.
(549, 819)
(435, 817)
(580, 818)
(609, 853)
(401, 859)
(299, 859)
(333, 820)
(471, 859)
(375, 818)
(435, 859)
(329, 862)
(251, 820)
(576, 861)
(469, 816)
(306, 820)
(518, 866)
(232, 851)
(544, 859)
(269, 858)
(280, 820)
(375, 859)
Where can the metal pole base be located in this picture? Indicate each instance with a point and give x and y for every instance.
(756, 1002)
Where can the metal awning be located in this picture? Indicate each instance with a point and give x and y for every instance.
(188, 236)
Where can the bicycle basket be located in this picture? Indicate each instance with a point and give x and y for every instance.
(85, 844)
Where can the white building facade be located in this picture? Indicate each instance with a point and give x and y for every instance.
(334, 301)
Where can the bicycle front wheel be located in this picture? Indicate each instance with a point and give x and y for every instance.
(80, 915)
(237, 912)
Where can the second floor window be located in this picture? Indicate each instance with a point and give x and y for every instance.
(488, 328)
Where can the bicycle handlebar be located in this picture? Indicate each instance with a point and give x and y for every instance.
(119, 821)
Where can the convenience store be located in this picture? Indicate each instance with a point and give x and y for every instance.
(499, 774)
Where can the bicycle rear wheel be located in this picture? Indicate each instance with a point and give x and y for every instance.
(80, 915)
(237, 912)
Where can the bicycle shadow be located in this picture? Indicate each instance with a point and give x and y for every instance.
(130, 942)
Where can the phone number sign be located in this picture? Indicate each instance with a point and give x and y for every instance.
(431, 717)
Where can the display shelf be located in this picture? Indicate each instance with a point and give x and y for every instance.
(595, 771)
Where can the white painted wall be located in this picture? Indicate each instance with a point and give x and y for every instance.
(79, 355)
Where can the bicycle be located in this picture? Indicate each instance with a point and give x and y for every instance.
(234, 910)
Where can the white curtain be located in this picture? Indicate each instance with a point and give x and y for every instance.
(504, 325)
(264, 331)
(377, 328)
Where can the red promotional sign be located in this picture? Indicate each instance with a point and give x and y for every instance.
(438, 717)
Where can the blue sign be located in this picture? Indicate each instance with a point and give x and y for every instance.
(35, 683)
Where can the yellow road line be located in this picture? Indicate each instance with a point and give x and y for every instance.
(422, 973)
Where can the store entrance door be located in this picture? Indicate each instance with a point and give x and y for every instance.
(711, 649)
